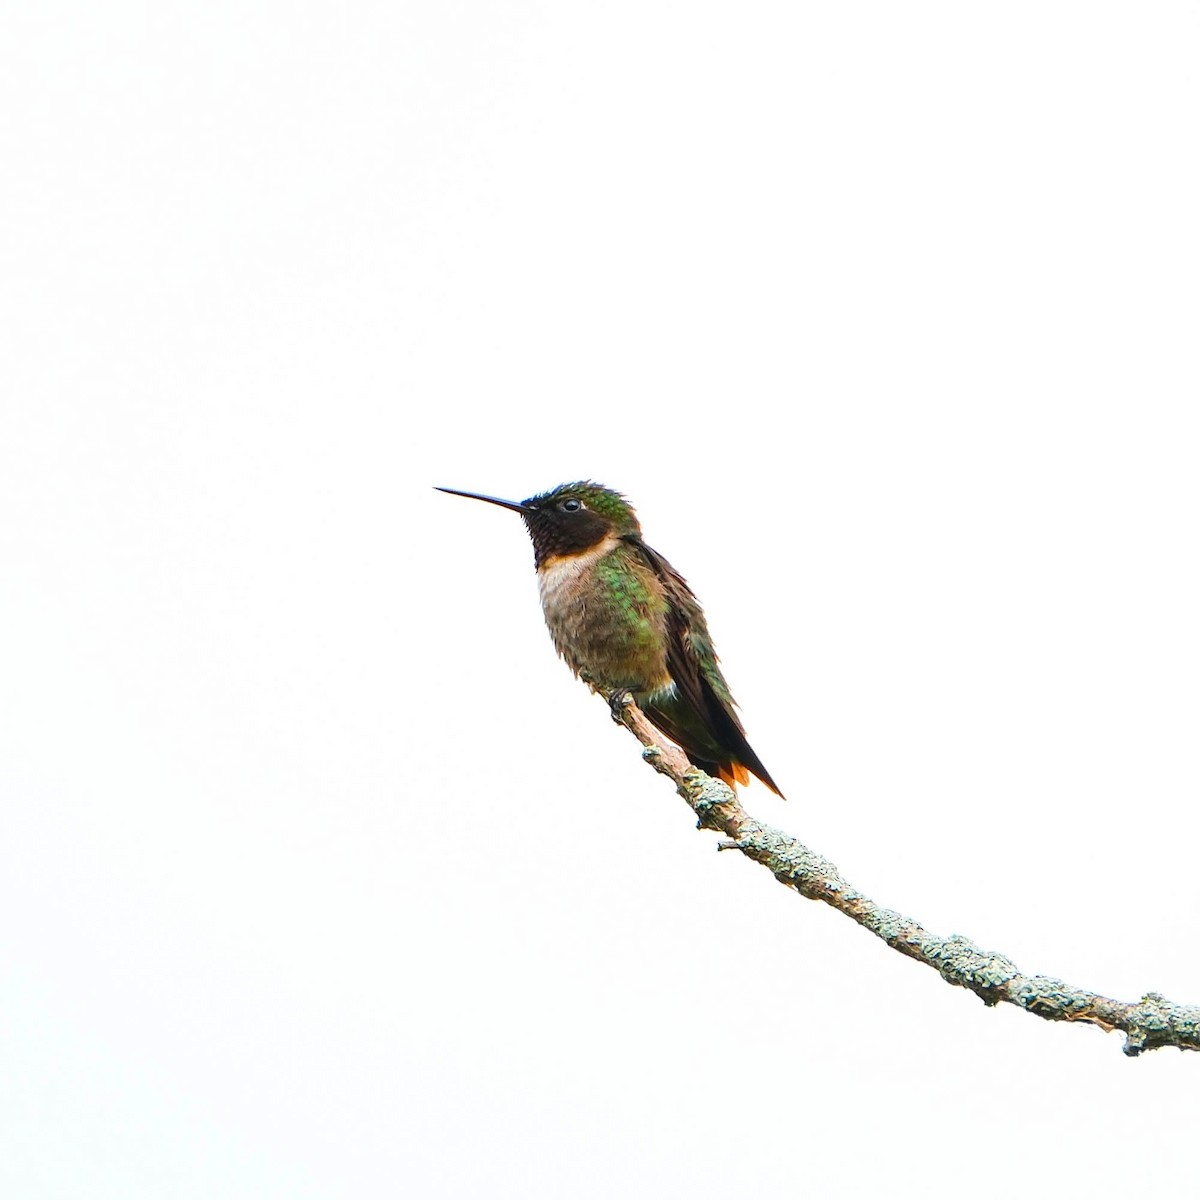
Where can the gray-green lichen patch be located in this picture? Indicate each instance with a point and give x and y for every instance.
(788, 857)
(894, 927)
(1050, 997)
(708, 792)
(706, 795)
(1155, 1021)
(960, 961)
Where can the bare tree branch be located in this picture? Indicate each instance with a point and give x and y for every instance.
(1151, 1022)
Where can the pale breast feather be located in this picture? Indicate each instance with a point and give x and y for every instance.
(597, 638)
(561, 578)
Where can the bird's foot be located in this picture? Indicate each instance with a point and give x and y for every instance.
(617, 700)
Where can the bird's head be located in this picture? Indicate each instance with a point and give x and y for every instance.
(569, 519)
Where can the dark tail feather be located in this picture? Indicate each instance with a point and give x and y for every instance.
(742, 757)
(712, 738)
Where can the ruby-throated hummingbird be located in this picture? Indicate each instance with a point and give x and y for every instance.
(626, 621)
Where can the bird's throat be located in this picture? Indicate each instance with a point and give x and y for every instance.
(563, 578)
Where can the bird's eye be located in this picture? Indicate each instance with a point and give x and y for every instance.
(571, 505)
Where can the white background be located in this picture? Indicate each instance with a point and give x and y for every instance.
(319, 876)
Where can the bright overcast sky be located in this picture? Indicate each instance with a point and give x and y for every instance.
(319, 875)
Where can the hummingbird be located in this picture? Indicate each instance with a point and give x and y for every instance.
(625, 621)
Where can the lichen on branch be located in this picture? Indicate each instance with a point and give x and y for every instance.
(1148, 1024)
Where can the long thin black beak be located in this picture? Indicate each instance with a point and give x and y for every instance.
(488, 499)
